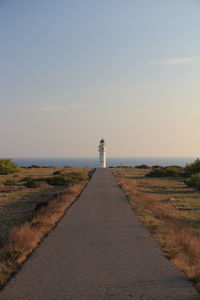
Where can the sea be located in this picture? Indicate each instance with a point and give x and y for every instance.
(111, 161)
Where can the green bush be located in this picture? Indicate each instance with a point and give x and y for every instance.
(33, 166)
(171, 171)
(142, 167)
(30, 182)
(24, 179)
(66, 179)
(194, 181)
(123, 167)
(60, 180)
(58, 172)
(76, 176)
(193, 168)
(57, 181)
(156, 166)
(7, 166)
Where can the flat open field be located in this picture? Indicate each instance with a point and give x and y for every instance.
(171, 211)
(18, 202)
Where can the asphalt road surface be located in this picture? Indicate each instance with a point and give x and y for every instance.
(99, 250)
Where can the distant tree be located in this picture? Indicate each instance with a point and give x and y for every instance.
(7, 166)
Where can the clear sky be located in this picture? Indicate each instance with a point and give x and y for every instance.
(74, 71)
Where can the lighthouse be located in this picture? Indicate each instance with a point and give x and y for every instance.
(102, 154)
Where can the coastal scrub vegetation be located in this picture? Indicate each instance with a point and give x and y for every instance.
(191, 172)
(66, 178)
(30, 208)
(170, 209)
(143, 167)
(194, 181)
(7, 166)
(59, 178)
(193, 168)
(9, 182)
(173, 171)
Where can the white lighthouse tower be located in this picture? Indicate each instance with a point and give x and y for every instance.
(102, 154)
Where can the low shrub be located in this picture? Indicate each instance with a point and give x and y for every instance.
(9, 182)
(41, 205)
(123, 167)
(76, 176)
(59, 180)
(30, 182)
(194, 181)
(193, 168)
(66, 179)
(142, 167)
(24, 179)
(62, 179)
(34, 166)
(7, 166)
(58, 172)
(91, 172)
(171, 171)
(156, 166)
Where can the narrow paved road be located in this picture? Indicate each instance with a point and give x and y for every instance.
(99, 250)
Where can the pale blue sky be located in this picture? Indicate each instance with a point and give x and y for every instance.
(74, 71)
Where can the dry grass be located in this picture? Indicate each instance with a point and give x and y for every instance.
(17, 202)
(25, 238)
(171, 211)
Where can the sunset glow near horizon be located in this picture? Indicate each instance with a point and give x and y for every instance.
(72, 72)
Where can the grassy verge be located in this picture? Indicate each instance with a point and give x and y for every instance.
(23, 239)
(171, 211)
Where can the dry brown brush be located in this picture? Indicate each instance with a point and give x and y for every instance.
(24, 239)
(168, 226)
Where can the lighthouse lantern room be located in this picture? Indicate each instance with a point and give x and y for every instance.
(102, 154)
